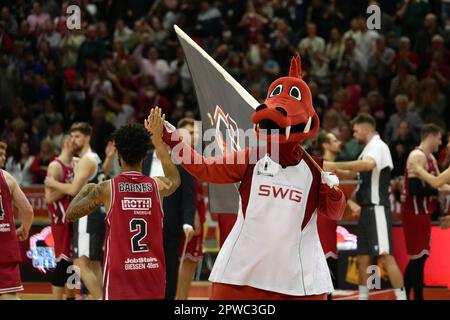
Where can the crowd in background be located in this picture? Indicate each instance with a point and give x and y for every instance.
(126, 59)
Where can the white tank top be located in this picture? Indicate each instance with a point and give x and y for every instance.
(267, 249)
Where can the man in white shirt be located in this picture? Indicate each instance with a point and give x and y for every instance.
(375, 223)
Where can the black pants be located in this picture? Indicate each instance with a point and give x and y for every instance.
(414, 277)
(171, 252)
(333, 267)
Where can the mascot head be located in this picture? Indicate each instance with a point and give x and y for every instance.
(288, 110)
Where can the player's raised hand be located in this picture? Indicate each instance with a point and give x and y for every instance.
(149, 120)
(157, 126)
(154, 124)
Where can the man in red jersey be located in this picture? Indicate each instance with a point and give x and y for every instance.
(328, 147)
(11, 195)
(89, 231)
(418, 202)
(61, 169)
(193, 248)
(133, 264)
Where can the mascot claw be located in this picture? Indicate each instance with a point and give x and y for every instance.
(330, 179)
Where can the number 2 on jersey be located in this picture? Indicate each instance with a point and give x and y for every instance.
(139, 225)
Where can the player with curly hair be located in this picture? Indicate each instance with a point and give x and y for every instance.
(133, 263)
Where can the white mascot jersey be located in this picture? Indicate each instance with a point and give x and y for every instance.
(267, 247)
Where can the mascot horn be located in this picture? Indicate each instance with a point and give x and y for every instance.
(288, 108)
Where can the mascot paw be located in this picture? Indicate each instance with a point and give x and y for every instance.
(170, 135)
(169, 127)
(330, 179)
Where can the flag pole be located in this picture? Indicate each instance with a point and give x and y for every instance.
(317, 165)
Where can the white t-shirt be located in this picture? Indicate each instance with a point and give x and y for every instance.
(378, 151)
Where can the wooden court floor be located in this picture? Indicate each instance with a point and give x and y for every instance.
(200, 291)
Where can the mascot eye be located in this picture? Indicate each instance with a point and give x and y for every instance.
(277, 90)
(295, 92)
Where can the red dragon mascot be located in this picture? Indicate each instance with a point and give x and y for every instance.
(273, 250)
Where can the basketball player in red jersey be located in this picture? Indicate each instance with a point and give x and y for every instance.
(442, 182)
(328, 147)
(11, 195)
(133, 264)
(61, 169)
(89, 231)
(418, 202)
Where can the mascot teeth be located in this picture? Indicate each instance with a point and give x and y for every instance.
(308, 126)
(288, 131)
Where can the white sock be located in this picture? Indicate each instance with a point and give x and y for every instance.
(400, 294)
(363, 293)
